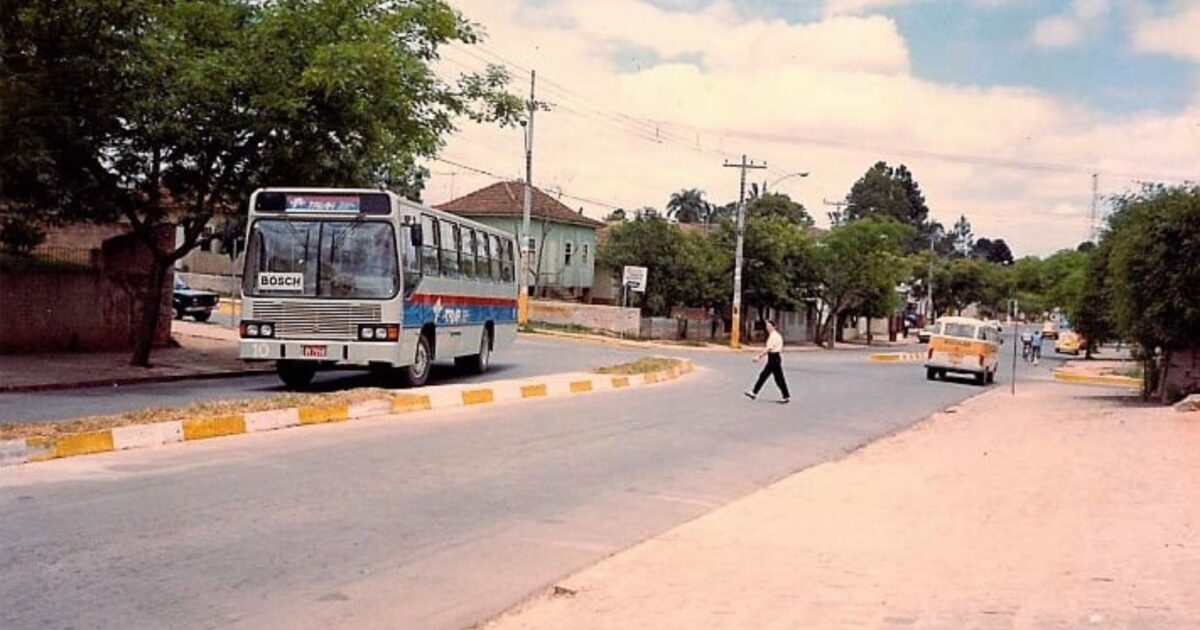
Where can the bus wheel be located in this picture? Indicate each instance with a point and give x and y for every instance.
(416, 374)
(296, 374)
(477, 363)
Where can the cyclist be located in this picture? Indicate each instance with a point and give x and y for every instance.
(1026, 345)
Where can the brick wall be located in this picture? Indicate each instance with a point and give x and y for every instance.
(85, 311)
(611, 318)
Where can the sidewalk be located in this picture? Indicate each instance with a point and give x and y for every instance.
(1082, 514)
(205, 351)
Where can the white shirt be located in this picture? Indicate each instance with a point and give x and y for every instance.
(775, 342)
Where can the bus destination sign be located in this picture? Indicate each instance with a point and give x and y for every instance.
(323, 203)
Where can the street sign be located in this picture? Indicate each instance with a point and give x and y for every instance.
(634, 278)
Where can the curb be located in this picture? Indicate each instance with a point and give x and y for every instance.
(895, 357)
(1064, 376)
(137, 380)
(28, 450)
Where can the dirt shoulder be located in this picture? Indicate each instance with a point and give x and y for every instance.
(1062, 507)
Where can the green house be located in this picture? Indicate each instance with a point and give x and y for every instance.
(564, 257)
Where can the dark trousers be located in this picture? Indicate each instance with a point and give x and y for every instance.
(774, 367)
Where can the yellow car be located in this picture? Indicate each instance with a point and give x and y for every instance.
(1069, 343)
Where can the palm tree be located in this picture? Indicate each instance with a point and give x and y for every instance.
(687, 206)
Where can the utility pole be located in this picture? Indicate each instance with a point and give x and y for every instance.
(929, 284)
(526, 238)
(735, 334)
(1093, 227)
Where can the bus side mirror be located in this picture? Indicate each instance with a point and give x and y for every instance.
(416, 236)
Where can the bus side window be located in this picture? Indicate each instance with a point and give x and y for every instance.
(450, 247)
(507, 265)
(496, 255)
(481, 256)
(468, 252)
(430, 256)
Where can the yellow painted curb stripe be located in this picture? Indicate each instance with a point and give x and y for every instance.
(405, 403)
(321, 414)
(203, 428)
(1089, 379)
(478, 396)
(69, 445)
(891, 357)
(533, 391)
(578, 387)
(620, 381)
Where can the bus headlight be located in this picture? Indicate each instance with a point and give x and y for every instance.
(379, 332)
(251, 330)
(266, 330)
(258, 330)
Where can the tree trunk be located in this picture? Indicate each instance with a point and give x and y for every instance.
(870, 337)
(151, 311)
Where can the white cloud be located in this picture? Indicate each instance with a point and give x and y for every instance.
(832, 108)
(1071, 28)
(1177, 35)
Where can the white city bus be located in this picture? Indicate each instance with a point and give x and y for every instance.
(351, 277)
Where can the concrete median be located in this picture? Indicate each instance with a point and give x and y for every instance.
(35, 449)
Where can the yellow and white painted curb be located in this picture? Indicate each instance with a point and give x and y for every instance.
(896, 357)
(1111, 380)
(26, 450)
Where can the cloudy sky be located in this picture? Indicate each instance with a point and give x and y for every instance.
(1002, 108)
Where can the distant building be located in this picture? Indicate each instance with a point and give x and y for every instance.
(564, 258)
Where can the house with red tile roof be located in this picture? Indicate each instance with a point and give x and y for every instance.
(564, 255)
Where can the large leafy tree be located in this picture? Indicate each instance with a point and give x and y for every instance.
(688, 206)
(857, 263)
(676, 266)
(993, 251)
(1154, 268)
(166, 113)
(779, 205)
(890, 192)
(778, 267)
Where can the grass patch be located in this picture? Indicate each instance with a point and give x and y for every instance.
(1132, 371)
(644, 365)
(531, 327)
(56, 428)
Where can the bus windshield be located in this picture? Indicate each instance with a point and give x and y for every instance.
(322, 259)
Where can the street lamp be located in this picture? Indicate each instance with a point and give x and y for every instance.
(788, 176)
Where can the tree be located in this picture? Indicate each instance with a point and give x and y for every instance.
(687, 206)
(676, 266)
(996, 251)
(779, 205)
(615, 215)
(1154, 270)
(857, 262)
(1091, 314)
(962, 237)
(965, 283)
(778, 267)
(884, 191)
(166, 113)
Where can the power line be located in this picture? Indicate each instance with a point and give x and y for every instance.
(501, 178)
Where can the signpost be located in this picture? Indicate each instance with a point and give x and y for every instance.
(1012, 316)
(634, 278)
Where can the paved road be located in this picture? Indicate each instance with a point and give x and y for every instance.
(435, 521)
(530, 356)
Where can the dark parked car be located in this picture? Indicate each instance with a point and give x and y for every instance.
(197, 303)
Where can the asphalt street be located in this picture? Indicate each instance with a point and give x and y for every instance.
(438, 520)
(530, 356)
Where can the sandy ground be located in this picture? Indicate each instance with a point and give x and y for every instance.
(202, 349)
(1064, 507)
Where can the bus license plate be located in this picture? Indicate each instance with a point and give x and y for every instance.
(314, 351)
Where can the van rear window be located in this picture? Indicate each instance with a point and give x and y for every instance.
(965, 331)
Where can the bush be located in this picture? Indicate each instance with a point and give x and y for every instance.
(18, 236)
